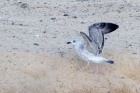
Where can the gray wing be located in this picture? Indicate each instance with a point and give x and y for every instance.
(106, 27)
(97, 36)
(90, 45)
(97, 31)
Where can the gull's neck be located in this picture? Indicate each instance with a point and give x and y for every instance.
(79, 48)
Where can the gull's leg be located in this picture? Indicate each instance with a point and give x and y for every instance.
(96, 72)
(86, 66)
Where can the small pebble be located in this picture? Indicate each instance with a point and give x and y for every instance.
(12, 23)
(24, 5)
(21, 24)
(122, 77)
(36, 44)
(40, 20)
(130, 45)
(65, 15)
(118, 11)
(74, 16)
(53, 18)
(82, 23)
(134, 53)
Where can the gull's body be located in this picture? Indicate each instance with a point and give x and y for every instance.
(86, 55)
(93, 44)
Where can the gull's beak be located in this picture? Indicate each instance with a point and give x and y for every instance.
(68, 42)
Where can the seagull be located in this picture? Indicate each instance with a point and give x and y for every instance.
(93, 44)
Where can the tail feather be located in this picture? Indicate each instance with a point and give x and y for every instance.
(110, 61)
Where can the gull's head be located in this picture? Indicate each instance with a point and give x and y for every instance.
(75, 42)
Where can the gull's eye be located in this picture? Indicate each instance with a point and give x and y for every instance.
(74, 41)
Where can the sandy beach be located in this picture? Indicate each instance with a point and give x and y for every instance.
(34, 56)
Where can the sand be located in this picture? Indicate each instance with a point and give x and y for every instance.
(34, 56)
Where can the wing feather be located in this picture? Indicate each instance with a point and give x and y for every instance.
(96, 35)
(95, 42)
(106, 27)
(91, 46)
(97, 31)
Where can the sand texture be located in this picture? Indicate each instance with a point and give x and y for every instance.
(34, 56)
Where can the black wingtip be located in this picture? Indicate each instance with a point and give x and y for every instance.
(110, 61)
(68, 42)
(106, 27)
(110, 27)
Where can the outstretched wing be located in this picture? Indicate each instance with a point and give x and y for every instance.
(90, 45)
(97, 31)
(106, 27)
(97, 36)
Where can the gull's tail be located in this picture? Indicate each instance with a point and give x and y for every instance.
(110, 61)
